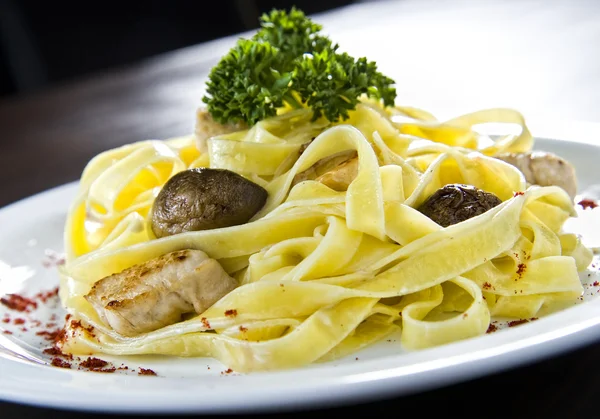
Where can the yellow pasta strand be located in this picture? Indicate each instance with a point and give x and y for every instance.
(326, 273)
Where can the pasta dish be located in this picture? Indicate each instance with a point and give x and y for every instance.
(293, 236)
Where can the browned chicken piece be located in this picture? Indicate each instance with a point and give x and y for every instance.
(335, 171)
(544, 169)
(207, 127)
(340, 177)
(157, 293)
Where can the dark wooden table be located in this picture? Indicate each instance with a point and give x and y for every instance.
(449, 57)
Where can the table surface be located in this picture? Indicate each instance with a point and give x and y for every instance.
(450, 57)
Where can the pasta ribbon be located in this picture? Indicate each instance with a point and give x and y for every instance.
(324, 273)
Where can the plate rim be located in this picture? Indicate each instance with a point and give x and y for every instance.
(328, 390)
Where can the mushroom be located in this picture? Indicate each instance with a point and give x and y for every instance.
(203, 199)
(454, 203)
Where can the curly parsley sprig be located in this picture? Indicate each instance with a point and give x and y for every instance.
(289, 63)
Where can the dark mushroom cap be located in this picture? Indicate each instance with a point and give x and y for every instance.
(455, 203)
(204, 199)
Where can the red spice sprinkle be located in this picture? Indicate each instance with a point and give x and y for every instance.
(23, 329)
(7, 332)
(6, 320)
(588, 203)
(19, 321)
(44, 296)
(518, 193)
(54, 351)
(520, 269)
(205, 322)
(487, 285)
(76, 324)
(18, 302)
(36, 323)
(227, 371)
(465, 315)
(231, 313)
(146, 371)
(50, 325)
(61, 336)
(517, 322)
(492, 328)
(94, 363)
(49, 335)
(57, 362)
(596, 283)
(53, 259)
(243, 329)
(97, 365)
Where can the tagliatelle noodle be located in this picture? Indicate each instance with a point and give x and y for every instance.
(324, 273)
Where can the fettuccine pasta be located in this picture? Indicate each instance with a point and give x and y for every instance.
(324, 273)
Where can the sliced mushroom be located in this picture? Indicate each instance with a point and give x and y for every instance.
(455, 203)
(203, 199)
(544, 169)
(207, 127)
(159, 292)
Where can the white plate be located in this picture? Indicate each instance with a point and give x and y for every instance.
(33, 226)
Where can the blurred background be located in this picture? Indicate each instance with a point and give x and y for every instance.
(47, 42)
(451, 56)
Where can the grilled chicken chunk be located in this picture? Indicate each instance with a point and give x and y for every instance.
(207, 127)
(544, 169)
(340, 178)
(157, 293)
(336, 171)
